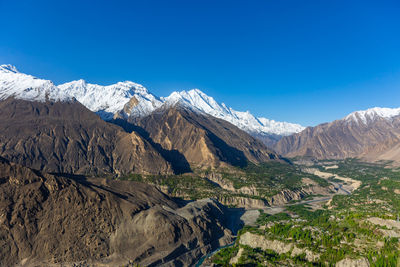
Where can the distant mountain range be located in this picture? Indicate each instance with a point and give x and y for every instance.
(163, 122)
(129, 99)
(372, 134)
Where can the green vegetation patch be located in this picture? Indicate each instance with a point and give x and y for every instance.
(342, 229)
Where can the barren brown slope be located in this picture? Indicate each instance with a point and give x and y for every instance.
(203, 140)
(48, 220)
(65, 137)
(342, 139)
(388, 150)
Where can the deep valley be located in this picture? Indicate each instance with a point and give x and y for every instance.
(95, 175)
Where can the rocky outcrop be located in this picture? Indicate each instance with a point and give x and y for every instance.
(243, 202)
(53, 220)
(124, 113)
(287, 195)
(65, 137)
(252, 201)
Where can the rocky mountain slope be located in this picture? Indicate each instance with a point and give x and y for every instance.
(65, 137)
(113, 223)
(46, 128)
(373, 134)
(203, 140)
(128, 99)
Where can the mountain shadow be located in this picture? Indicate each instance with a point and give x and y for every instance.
(229, 154)
(203, 140)
(177, 160)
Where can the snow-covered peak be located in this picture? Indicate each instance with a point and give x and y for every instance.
(196, 99)
(199, 101)
(7, 68)
(371, 114)
(27, 87)
(129, 99)
(111, 99)
(280, 127)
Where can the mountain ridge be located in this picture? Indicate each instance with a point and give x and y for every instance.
(205, 141)
(370, 134)
(66, 137)
(129, 99)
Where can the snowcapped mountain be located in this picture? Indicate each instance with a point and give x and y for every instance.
(199, 101)
(129, 99)
(369, 115)
(112, 99)
(27, 87)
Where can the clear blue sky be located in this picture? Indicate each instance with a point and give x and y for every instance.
(299, 61)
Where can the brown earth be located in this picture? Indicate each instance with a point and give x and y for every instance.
(203, 140)
(50, 220)
(65, 137)
(340, 139)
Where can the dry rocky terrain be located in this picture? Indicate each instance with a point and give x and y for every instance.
(49, 219)
(375, 140)
(65, 137)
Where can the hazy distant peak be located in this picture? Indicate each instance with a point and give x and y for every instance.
(365, 116)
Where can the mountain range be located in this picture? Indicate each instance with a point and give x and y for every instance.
(59, 144)
(129, 99)
(371, 134)
(54, 129)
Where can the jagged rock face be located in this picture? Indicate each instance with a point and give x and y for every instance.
(65, 137)
(203, 140)
(343, 139)
(47, 219)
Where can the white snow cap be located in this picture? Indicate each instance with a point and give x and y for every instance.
(27, 87)
(365, 116)
(110, 99)
(199, 101)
